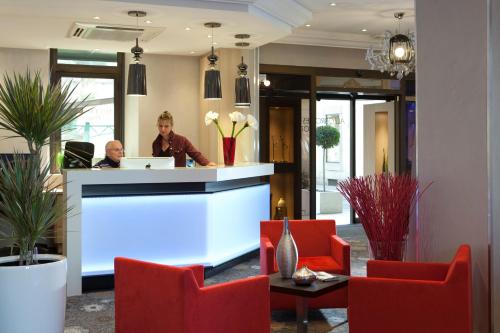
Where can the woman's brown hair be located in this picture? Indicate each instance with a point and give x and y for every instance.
(166, 116)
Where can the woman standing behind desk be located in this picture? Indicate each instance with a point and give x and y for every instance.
(169, 144)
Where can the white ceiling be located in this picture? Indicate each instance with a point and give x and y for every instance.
(341, 25)
(45, 24)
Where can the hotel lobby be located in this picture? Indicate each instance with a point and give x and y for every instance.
(196, 159)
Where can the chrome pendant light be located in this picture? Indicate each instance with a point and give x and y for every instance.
(136, 85)
(213, 88)
(242, 87)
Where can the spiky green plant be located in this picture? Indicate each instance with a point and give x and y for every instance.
(31, 111)
(27, 201)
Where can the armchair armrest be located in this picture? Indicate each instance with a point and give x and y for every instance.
(199, 273)
(236, 306)
(341, 252)
(267, 256)
(407, 270)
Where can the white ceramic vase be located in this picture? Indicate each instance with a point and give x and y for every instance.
(33, 298)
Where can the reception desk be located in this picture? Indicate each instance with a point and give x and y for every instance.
(177, 217)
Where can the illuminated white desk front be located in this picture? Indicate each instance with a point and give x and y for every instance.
(176, 217)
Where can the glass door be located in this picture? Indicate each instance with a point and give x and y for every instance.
(354, 137)
(333, 158)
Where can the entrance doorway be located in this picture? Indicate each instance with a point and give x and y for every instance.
(355, 136)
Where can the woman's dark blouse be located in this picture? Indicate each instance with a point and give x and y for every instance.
(179, 146)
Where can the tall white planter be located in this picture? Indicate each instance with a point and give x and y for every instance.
(33, 298)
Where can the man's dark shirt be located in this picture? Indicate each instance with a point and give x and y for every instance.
(107, 163)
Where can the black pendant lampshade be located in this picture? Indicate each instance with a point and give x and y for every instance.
(213, 89)
(136, 85)
(242, 87)
(137, 80)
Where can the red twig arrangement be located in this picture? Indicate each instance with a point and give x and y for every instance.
(383, 203)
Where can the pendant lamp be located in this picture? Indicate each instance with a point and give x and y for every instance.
(213, 89)
(136, 85)
(242, 82)
(398, 52)
(242, 87)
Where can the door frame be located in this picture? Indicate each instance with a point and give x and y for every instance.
(366, 93)
(352, 97)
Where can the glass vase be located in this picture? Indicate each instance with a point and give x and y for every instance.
(228, 149)
(387, 250)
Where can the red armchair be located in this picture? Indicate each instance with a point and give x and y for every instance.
(154, 298)
(318, 247)
(413, 297)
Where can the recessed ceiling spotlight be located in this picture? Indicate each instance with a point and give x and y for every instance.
(149, 22)
(308, 25)
(215, 43)
(242, 44)
(192, 52)
(364, 30)
(209, 36)
(96, 18)
(333, 4)
(187, 28)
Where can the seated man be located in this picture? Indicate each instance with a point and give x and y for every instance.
(114, 151)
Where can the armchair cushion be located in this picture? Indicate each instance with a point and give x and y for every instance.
(321, 263)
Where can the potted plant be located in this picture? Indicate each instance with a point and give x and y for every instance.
(328, 137)
(33, 292)
(383, 203)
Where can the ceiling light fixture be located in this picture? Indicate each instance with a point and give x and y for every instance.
(187, 28)
(364, 30)
(308, 25)
(149, 22)
(242, 87)
(96, 18)
(242, 82)
(213, 89)
(136, 85)
(263, 80)
(333, 4)
(398, 52)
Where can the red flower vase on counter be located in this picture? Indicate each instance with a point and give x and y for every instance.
(228, 149)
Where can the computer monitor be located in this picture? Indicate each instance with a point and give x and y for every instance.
(9, 157)
(78, 155)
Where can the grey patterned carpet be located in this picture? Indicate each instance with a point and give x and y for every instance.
(94, 312)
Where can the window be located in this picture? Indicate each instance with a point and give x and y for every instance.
(99, 77)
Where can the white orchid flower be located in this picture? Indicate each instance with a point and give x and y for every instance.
(252, 122)
(237, 117)
(210, 116)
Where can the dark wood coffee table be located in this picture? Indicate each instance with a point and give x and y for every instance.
(303, 293)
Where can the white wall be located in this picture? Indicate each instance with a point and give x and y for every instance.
(452, 137)
(494, 149)
(172, 83)
(210, 140)
(313, 56)
(19, 60)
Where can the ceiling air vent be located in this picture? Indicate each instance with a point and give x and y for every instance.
(113, 32)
